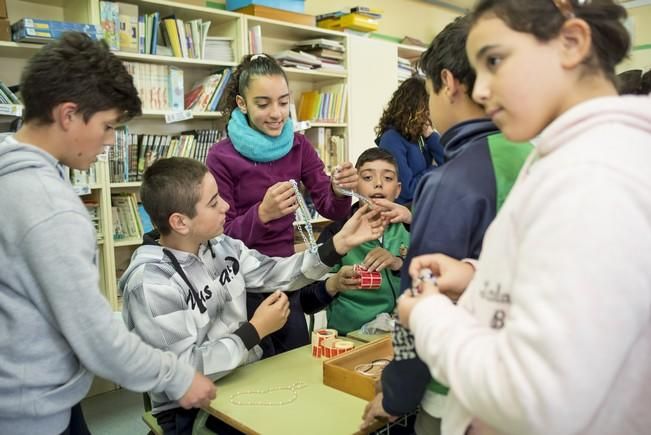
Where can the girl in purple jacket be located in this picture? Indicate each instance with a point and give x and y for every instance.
(253, 166)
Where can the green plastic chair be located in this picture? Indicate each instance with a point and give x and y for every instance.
(198, 428)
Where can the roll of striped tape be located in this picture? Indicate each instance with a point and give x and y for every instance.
(318, 337)
(336, 346)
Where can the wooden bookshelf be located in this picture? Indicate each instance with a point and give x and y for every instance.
(276, 36)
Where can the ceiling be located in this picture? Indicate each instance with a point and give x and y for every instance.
(464, 5)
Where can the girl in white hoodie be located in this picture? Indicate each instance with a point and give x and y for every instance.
(553, 332)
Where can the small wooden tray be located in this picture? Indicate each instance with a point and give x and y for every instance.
(339, 372)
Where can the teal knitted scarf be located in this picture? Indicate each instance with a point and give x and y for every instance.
(255, 145)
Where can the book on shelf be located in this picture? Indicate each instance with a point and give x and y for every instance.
(300, 58)
(145, 219)
(206, 94)
(126, 220)
(128, 27)
(44, 31)
(255, 40)
(93, 210)
(330, 147)
(109, 18)
(320, 43)
(7, 96)
(218, 48)
(160, 87)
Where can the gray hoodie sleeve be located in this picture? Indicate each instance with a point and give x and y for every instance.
(265, 274)
(67, 282)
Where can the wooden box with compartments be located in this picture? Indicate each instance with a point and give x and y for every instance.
(357, 371)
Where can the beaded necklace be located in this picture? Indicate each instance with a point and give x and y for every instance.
(303, 219)
(293, 389)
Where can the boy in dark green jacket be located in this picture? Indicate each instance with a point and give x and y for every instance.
(378, 178)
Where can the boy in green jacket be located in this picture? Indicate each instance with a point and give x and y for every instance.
(378, 179)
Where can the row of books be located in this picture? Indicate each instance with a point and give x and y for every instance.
(330, 147)
(125, 30)
(325, 105)
(207, 93)
(133, 153)
(160, 87)
(7, 96)
(124, 214)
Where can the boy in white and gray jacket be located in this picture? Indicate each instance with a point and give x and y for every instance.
(187, 292)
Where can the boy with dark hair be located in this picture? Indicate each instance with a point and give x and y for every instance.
(187, 291)
(58, 328)
(378, 179)
(453, 205)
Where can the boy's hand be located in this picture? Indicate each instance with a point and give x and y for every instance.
(452, 275)
(278, 201)
(345, 177)
(379, 258)
(201, 392)
(393, 212)
(362, 226)
(345, 279)
(272, 314)
(374, 411)
(407, 301)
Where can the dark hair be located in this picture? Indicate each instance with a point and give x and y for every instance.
(79, 70)
(407, 110)
(171, 186)
(543, 19)
(628, 82)
(252, 65)
(373, 154)
(448, 51)
(645, 83)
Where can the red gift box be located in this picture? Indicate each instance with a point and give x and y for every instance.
(368, 279)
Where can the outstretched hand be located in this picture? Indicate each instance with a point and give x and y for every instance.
(363, 226)
(393, 212)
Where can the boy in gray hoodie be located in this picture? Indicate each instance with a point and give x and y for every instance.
(57, 328)
(186, 291)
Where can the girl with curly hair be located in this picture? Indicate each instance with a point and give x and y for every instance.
(405, 130)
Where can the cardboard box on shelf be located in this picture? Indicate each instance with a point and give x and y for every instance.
(5, 30)
(287, 5)
(3, 9)
(193, 2)
(278, 14)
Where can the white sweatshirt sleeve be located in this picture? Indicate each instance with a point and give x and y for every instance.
(579, 300)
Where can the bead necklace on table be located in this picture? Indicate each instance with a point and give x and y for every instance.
(293, 388)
